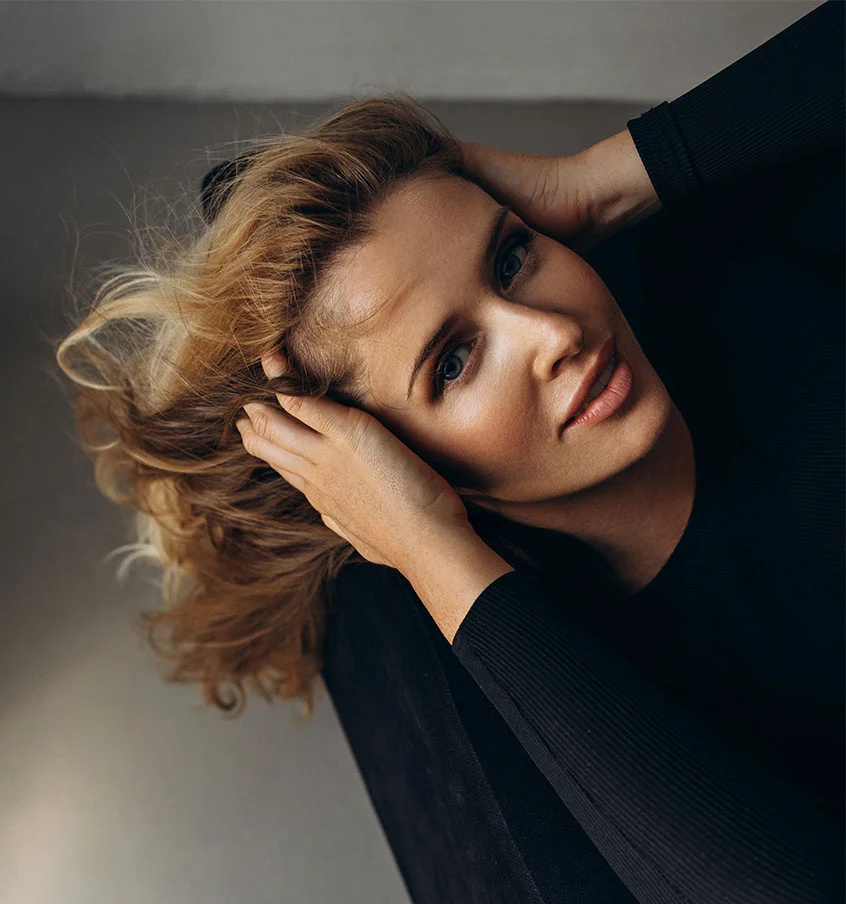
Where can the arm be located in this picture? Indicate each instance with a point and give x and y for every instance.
(680, 813)
(622, 190)
(778, 104)
(452, 577)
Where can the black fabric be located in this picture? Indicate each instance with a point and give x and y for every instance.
(684, 744)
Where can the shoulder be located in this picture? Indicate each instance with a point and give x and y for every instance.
(375, 623)
(366, 581)
(369, 600)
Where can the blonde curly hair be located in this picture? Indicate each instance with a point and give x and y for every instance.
(168, 354)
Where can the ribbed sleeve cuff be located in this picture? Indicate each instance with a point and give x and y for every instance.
(778, 102)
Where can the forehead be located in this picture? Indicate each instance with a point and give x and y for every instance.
(420, 228)
(423, 249)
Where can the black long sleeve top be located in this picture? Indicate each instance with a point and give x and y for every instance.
(685, 743)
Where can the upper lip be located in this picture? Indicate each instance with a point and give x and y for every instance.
(606, 353)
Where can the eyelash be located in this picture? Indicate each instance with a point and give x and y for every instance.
(525, 238)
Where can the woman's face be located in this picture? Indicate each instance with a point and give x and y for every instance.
(529, 324)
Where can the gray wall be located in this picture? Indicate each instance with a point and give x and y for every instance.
(114, 786)
(584, 50)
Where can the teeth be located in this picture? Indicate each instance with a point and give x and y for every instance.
(599, 387)
(605, 376)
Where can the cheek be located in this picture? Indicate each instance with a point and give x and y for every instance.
(484, 452)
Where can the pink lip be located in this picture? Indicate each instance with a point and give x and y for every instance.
(609, 401)
(602, 359)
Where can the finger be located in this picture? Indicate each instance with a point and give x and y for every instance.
(322, 414)
(333, 526)
(529, 183)
(275, 365)
(284, 431)
(510, 176)
(284, 463)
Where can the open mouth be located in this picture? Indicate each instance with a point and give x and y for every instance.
(598, 387)
(607, 395)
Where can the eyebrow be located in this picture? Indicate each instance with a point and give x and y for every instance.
(439, 336)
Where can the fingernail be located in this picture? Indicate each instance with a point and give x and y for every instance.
(275, 365)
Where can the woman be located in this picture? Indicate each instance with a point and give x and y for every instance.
(586, 660)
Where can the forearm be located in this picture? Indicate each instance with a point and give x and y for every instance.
(449, 575)
(626, 194)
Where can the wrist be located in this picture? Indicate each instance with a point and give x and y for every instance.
(450, 572)
(623, 192)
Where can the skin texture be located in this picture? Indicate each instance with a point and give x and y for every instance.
(625, 485)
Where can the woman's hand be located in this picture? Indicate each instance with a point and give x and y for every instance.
(550, 193)
(367, 485)
(578, 200)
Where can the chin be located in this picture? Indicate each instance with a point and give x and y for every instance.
(639, 432)
(653, 419)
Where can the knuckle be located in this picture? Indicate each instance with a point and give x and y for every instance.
(294, 402)
(260, 421)
(308, 473)
(354, 424)
(548, 187)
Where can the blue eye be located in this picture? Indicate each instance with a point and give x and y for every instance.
(440, 376)
(524, 239)
(528, 238)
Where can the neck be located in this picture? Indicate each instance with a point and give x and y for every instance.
(635, 519)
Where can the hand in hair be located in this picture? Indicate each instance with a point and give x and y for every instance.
(578, 200)
(367, 485)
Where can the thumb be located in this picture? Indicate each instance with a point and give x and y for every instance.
(543, 189)
(525, 182)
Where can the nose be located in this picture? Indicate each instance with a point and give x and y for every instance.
(553, 340)
(543, 343)
(547, 372)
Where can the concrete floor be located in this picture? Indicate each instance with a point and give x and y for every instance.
(115, 786)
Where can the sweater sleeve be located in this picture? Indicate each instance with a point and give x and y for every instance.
(678, 811)
(779, 103)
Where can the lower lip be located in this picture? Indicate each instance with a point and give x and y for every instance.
(610, 400)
